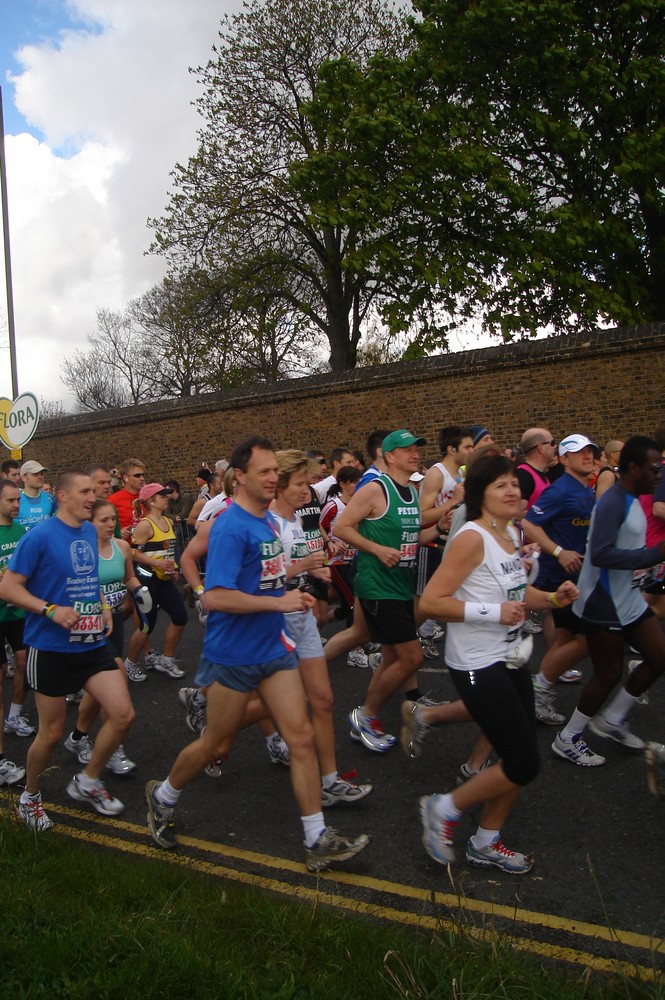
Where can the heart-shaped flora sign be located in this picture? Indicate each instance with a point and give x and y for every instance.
(18, 420)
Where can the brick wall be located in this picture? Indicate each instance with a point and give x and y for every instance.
(607, 384)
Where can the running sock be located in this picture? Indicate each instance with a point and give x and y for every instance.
(328, 780)
(542, 682)
(412, 695)
(483, 838)
(445, 808)
(575, 726)
(14, 711)
(29, 797)
(170, 660)
(88, 783)
(77, 735)
(166, 794)
(619, 707)
(313, 826)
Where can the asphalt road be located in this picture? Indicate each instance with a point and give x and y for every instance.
(597, 835)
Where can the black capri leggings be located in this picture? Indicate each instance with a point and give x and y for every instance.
(166, 595)
(502, 703)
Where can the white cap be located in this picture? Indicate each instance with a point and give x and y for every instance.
(575, 442)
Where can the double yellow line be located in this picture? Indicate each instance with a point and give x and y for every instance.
(124, 836)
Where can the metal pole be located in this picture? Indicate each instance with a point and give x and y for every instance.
(8, 258)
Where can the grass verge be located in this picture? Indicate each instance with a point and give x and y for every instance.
(85, 923)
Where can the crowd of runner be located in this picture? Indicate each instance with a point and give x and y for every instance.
(475, 551)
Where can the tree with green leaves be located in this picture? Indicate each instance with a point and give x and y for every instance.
(517, 155)
(234, 214)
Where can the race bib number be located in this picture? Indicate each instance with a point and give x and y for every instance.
(407, 554)
(273, 573)
(114, 595)
(515, 594)
(88, 629)
(315, 542)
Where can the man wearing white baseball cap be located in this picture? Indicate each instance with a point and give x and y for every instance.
(36, 505)
(558, 521)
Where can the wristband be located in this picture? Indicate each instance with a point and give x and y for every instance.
(106, 607)
(557, 552)
(554, 601)
(198, 590)
(482, 612)
(49, 611)
(46, 608)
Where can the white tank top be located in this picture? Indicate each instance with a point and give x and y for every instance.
(500, 577)
(447, 486)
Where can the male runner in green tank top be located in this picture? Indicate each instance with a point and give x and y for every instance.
(382, 521)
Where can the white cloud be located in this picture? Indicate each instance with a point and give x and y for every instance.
(113, 105)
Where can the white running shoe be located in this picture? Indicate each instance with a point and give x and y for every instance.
(119, 762)
(531, 627)
(571, 677)
(619, 733)
(278, 751)
(167, 665)
(32, 813)
(82, 749)
(343, 791)
(545, 708)
(357, 658)
(10, 772)
(134, 672)
(97, 796)
(19, 726)
(577, 752)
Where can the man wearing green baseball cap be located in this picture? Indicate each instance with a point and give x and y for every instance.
(382, 521)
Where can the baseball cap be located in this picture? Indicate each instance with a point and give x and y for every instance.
(575, 442)
(417, 477)
(400, 439)
(32, 467)
(152, 489)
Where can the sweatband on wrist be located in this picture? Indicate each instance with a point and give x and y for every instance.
(106, 607)
(554, 600)
(199, 590)
(557, 552)
(481, 612)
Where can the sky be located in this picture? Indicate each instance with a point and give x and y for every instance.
(97, 102)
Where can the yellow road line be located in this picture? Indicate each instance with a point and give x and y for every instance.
(356, 906)
(445, 900)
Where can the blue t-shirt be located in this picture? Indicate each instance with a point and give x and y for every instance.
(60, 564)
(563, 511)
(245, 553)
(34, 510)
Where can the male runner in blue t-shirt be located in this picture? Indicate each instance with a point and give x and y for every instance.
(247, 648)
(53, 575)
(558, 521)
(613, 610)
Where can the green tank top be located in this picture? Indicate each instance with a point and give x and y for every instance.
(398, 527)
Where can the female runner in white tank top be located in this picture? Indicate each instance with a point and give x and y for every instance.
(481, 589)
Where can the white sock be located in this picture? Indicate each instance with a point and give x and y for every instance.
(29, 796)
(483, 838)
(575, 726)
(85, 781)
(445, 808)
(14, 710)
(167, 659)
(166, 794)
(542, 682)
(130, 663)
(619, 707)
(313, 826)
(328, 780)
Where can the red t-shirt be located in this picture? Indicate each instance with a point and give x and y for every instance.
(123, 502)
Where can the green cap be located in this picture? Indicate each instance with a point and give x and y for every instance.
(400, 439)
